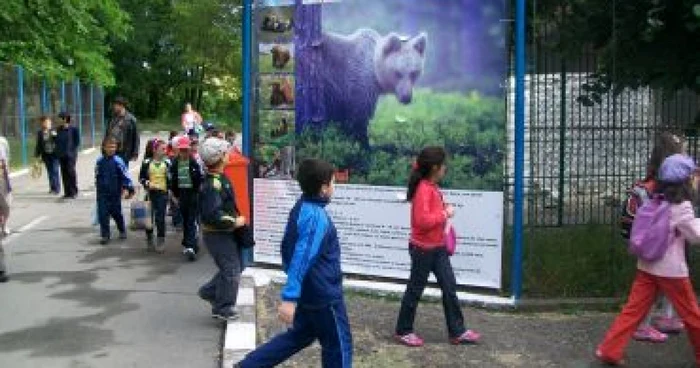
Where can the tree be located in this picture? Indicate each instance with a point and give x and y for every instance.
(639, 43)
(180, 51)
(62, 39)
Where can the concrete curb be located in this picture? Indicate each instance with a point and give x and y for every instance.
(240, 336)
(265, 276)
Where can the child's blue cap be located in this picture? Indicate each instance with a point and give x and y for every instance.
(677, 168)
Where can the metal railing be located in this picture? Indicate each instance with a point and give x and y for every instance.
(25, 97)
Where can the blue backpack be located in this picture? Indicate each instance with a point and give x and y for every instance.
(651, 230)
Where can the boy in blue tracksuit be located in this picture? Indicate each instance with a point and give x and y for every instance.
(312, 299)
(112, 181)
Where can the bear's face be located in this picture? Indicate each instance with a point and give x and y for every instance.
(398, 63)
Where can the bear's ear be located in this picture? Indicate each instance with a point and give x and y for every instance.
(392, 43)
(419, 43)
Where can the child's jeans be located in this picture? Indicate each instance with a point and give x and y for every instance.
(110, 206)
(159, 204)
(329, 325)
(422, 263)
(642, 295)
(189, 206)
(222, 289)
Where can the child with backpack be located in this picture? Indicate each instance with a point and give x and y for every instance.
(155, 178)
(186, 180)
(658, 237)
(652, 329)
(428, 251)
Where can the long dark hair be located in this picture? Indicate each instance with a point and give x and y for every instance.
(666, 144)
(428, 158)
(677, 193)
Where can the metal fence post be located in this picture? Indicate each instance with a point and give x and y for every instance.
(92, 113)
(63, 96)
(246, 132)
(22, 116)
(78, 109)
(44, 97)
(562, 142)
(103, 110)
(519, 165)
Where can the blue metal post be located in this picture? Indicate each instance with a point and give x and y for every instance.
(78, 102)
(44, 97)
(247, 94)
(104, 109)
(92, 114)
(63, 96)
(517, 271)
(22, 115)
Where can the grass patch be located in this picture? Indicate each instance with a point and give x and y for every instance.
(578, 261)
(16, 152)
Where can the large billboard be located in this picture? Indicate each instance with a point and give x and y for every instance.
(365, 84)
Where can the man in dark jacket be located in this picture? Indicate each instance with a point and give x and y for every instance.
(67, 143)
(123, 129)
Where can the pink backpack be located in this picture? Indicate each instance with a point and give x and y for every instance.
(651, 230)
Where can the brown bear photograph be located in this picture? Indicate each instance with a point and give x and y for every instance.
(276, 25)
(277, 92)
(276, 58)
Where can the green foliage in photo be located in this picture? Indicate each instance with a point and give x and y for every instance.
(471, 127)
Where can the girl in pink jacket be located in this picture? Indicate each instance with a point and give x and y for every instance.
(669, 274)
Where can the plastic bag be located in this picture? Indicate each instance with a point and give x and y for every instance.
(141, 215)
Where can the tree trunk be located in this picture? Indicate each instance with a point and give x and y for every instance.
(310, 109)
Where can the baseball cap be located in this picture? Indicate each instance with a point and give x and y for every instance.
(182, 142)
(677, 168)
(120, 101)
(213, 150)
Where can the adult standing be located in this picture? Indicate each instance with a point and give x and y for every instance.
(124, 130)
(191, 119)
(67, 143)
(46, 150)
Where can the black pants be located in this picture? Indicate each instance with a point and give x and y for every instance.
(110, 207)
(422, 263)
(222, 289)
(189, 208)
(52, 167)
(68, 176)
(159, 204)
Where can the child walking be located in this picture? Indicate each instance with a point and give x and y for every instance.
(112, 181)
(219, 220)
(669, 274)
(429, 216)
(312, 298)
(186, 181)
(155, 178)
(653, 329)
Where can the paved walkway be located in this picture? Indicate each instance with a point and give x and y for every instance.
(74, 303)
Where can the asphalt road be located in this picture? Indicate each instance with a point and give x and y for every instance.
(74, 303)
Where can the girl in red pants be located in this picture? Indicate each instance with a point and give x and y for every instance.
(668, 274)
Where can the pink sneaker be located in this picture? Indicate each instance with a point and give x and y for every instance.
(650, 334)
(411, 340)
(468, 337)
(669, 325)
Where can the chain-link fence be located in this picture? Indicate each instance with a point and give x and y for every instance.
(27, 97)
(580, 158)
